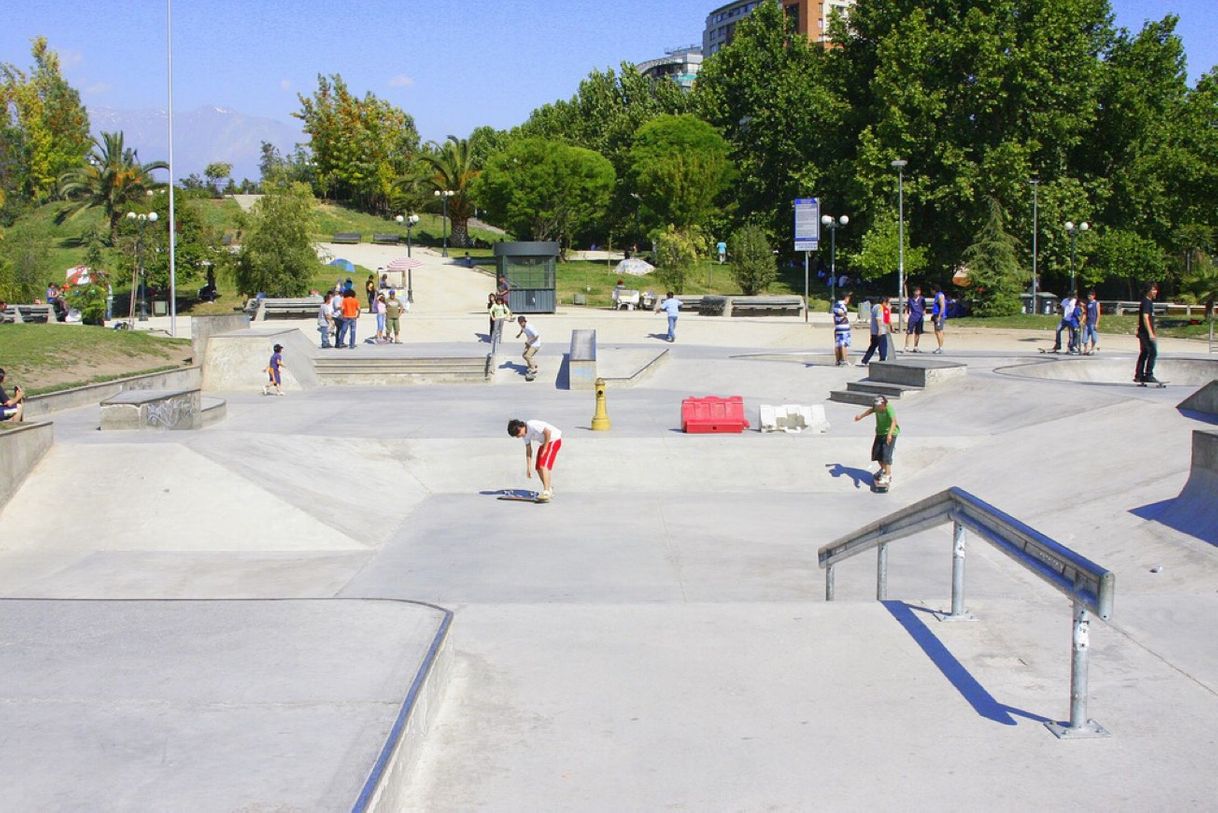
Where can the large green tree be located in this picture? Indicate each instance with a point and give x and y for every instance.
(679, 168)
(451, 168)
(277, 256)
(113, 179)
(546, 189)
(994, 275)
(358, 146)
(44, 129)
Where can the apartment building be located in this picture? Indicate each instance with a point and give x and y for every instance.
(811, 19)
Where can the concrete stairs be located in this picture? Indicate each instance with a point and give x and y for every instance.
(342, 370)
(897, 379)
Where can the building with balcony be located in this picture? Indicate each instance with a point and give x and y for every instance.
(811, 18)
(681, 65)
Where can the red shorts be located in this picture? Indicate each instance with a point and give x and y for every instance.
(545, 457)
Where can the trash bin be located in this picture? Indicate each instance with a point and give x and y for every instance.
(160, 307)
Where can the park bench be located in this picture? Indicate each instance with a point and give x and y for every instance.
(767, 306)
(385, 239)
(264, 308)
(690, 303)
(581, 360)
(30, 313)
(625, 298)
(346, 237)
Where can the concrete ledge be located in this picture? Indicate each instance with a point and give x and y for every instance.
(203, 328)
(41, 405)
(213, 411)
(22, 445)
(581, 361)
(1204, 400)
(237, 360)
(153, 409)
(916, 372)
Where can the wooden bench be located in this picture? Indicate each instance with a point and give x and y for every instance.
(766, 306)
(304, 306)
(581, 360)
(346, 237)
(153, 409)
(386, 239)
(31, 313)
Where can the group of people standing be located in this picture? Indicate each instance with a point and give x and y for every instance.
(1081, 320)
(340, 310)
(880, 323)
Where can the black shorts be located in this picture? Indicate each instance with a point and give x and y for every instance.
(914, 326)
(881, 450)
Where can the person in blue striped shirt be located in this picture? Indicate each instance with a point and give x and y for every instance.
(841, 330)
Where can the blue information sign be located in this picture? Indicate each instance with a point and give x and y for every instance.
(807, 224)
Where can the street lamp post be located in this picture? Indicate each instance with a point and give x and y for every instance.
(137, 277)
(444, 195)
(1073, 230)
(833, 225)
(1035, 185)
(900, 164)
(409, 221)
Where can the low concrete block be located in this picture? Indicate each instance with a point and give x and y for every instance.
(581, 361)
(153, 409)
(22, 445)
(916, 372)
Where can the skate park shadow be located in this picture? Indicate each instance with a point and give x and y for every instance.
(563, 380)
(1204, 417)
(661, 336)
(485, 338)
(1180, 514)
(859, 477)
(969, 688)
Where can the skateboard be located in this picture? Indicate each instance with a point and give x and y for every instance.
(880, 487)
(532, 377)
(523, 496)
(1158, 385)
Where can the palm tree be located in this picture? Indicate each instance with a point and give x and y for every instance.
(452, 169)
(111, 178)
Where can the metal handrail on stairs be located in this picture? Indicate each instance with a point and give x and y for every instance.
(1089, 586)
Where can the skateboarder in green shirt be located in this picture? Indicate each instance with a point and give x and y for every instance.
(886, 431)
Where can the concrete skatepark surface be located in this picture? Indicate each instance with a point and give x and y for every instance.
(656, 636)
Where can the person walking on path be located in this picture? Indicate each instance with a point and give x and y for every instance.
(671, 306)
(11, 408)
(886, 431)
(549, 441)
(381, 311)
(1067, 309)
(370, 291)
(916, 308)
(879, 333)
(351, 312)
(532, 343)
(336, 314)
(499, 313)
(841, 330)
(325, 320)
(274, 372)
(393, 317)
(1091, 333)
(938, 316)
(1148, 340)
(491, 299)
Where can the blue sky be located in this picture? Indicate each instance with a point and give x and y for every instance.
(452, 65)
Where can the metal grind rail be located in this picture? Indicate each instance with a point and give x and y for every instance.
(1089, 586)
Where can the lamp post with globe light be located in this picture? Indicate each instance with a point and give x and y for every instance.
(899, 165)
(137, 278)
(833, 224)
(410, 221)
(1073, 230)
(444, 195)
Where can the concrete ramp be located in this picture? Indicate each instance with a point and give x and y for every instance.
(1204, 400)
(236, 361)
(1092, 370)
(1195, 511)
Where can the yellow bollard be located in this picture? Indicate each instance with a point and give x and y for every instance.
(600, 421)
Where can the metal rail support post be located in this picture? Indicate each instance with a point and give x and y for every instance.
(958, 613)
(829, 582)
(881, 572)
(1079, 726)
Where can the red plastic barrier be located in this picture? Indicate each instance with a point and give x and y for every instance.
(713, 414)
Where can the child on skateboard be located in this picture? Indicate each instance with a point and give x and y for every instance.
(886, 431)
(532, 343)
(549, 440)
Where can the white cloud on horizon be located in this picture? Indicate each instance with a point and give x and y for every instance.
(401, 81)
(285, 85)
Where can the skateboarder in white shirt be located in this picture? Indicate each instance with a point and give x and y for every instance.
(549, 440)
(532, 342)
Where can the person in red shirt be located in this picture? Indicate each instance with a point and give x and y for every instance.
(351, 311)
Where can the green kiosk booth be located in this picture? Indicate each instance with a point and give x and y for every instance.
(529, 269)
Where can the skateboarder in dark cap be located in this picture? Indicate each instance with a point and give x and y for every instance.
(886, 431)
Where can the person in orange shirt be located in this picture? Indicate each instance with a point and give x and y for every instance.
(351, 311)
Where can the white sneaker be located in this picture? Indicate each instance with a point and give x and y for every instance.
(265, 391)
(544, 496)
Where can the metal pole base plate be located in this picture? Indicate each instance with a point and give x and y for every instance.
(1089, 730)
(964, 616)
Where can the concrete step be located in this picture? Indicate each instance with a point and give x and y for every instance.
(881, 388)
(212, 410)
(916, 372)
(345, 365)
(852, 397)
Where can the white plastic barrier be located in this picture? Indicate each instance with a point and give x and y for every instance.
(793, 418)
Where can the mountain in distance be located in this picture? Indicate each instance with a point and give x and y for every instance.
(200, 137)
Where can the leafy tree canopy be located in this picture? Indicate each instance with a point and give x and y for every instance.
(679, 168)
(277, 256)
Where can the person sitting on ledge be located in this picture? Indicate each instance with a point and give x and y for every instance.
(11, 409)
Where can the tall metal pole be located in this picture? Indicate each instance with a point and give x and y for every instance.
(445, 224)
(833, 263)
(173, 280)
(900, 165)
(806, 253)
(1035, 184)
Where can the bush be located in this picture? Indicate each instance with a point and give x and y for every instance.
(676, 255)
(278, 257)
(755, 266)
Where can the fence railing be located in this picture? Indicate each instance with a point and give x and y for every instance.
(1089, 586)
